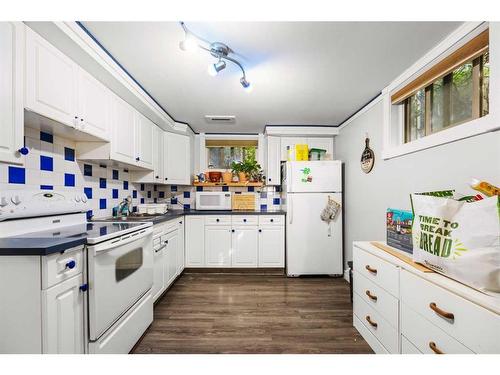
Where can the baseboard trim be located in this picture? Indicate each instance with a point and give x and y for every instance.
(239, 271)
(346, 274)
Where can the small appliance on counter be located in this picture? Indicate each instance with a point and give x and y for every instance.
(152, 208)
(213, 200)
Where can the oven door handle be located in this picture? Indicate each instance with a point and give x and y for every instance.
(123, 240)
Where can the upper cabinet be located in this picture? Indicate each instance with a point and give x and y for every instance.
(123, 126)
(11, 91)
(177, 159)
(57, 88)
(144, 141)
(273, 160)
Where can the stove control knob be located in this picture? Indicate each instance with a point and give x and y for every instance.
(77, 198)
(3, 202)
(84, 198)
(16, 200)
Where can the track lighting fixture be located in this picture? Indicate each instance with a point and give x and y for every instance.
(218, 50)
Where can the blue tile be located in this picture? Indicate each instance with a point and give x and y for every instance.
(102, 183)
(69, 154)
(134, 209)
(87, 170)
(155, 187)
(46, 163)
(115, 174)
(155, 200)
(88, 192)
(277, 189)
(125, 170)
(89, 214)
(187, 206)
(125, 185)
(46, 137)
(263, 207)
(225, 188)
(161, 194)
(103, 166)
(102, 203)
(69, 179)
(199, 188)
(187, 194)
(142, 200)
(251, 188)
(142, 187)
(173, 188)
(149, 194)
(115, 193)
(134, 193)
(173, 200)
(46, 187)
(276, 201)
(263, 194)
(103, 231)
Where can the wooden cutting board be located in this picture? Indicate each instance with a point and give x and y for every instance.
(243, 201)
(400, 256)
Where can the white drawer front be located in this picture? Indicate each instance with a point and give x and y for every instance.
(59, 267)
(379, 327)
(379, 271)
(407, 347)
(218, 219)
(271, 219)
(472, 325)
(245, 220)
(423, 334)
(381, 300)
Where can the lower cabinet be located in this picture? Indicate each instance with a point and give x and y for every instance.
(235, 241)
(62, 317)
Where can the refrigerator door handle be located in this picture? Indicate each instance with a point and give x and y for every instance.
(330, 229)
(290, 204)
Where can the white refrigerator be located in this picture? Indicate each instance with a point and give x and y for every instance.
(313, 247)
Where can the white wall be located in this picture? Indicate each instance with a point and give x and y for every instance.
(367, 196)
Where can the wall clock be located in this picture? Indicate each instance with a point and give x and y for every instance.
(367, 157)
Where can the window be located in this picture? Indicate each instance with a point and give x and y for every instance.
(450, 93)
(221, 153)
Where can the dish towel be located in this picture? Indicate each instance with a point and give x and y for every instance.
(331, 210)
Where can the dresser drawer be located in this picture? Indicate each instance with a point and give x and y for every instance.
(218, 219)
(272, 220)
(378, 326)
(245, 220)
(407, 347)
(425, 336)
(59, 267)
(382, 273)
(470, 324)
(379, 299)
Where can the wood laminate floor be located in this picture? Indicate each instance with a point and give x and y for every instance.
(225, 313)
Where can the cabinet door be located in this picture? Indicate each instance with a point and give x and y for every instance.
(11, 91)
(50, 80)
(273, 160)
(171, 257)
(180, 248)
(62, 317)
(272, 246)
(158, 154)
(218, 246)
(195, 241)
(245, 246)
(144, 141)
(123, 131)
(325, 143)
(159, 277)
(93, 110)
(177, 159)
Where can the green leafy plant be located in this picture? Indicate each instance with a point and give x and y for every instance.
(250, 167)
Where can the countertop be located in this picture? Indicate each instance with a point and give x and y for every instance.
(45, 243)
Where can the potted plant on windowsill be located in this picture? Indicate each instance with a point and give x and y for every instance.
(237, 168)
(248, 170)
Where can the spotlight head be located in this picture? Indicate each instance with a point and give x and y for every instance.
(213, 69)
(188, 44)
(246, 85)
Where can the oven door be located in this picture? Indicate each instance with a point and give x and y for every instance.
(120, 273)
(213, 200)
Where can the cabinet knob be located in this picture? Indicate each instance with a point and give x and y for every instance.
(217, 220)
(272, 220)
(232, 230)
(24, 150)
(166, 178)
(244, 220)
(81, 119)
(84, 287)
(76, 117)
(166, 242)
(269, 179)
(71, 264)
(137, 158)
(260, 230)
(157, 176)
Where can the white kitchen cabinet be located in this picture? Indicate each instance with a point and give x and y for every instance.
(62, 317)
(245, 245)
(177, 159)
(273, 160)
(123, 131)
(218, 241)
(171, 250)
(195, 241)
(180, 248)
(51, 79)
(271, 246)
(159, 276)
(158, 160)
(144, 132)
(92, 101)
(11, 91)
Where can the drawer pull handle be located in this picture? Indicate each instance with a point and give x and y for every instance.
(372, 270)
(371, 296)
(444, 314)
(372, 323)
(434, 348)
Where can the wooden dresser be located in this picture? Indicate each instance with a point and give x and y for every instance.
(400, 309)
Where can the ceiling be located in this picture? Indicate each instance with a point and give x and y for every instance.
(302, 73)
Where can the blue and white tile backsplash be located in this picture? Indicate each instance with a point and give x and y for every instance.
(51, 165)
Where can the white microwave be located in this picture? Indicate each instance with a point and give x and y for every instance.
(213, 200)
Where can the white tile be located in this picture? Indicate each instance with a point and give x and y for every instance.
(46, 148)
(31, 132)
(4, 173)
(33, 177)
(32, 143)
(58, 150)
